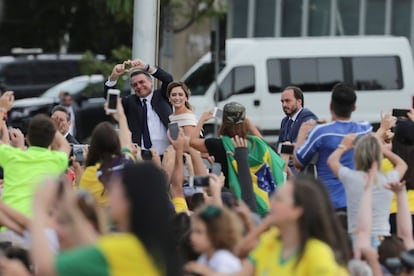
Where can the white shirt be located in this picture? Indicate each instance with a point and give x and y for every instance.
(72, 120)
(158, 133)
(222, 261)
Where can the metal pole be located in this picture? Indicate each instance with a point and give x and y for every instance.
(332, 29)
(388, 15)
(145, 31)
(278, 18)
(251, 17)
(216, 67)
(305, 18)
(362, 16)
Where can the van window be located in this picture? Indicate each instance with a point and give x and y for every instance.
(201, 79)
(274, 75)
(315, 74)
(377, 73)
(240, 80)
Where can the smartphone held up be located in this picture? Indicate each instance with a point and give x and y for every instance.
(112, 100)
(174, 130)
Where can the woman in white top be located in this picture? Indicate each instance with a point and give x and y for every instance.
(368, 150)
(178, 94)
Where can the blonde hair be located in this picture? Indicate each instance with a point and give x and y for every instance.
(224, 228)
(367, 151)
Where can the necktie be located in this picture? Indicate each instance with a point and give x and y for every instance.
(288, 127)
(145, 131)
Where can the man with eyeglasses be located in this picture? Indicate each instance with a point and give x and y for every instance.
(147, 110)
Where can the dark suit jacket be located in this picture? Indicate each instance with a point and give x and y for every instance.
(133, 107)
(71, 139)
(304, 115)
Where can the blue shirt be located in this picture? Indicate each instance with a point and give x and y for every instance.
(325, 139)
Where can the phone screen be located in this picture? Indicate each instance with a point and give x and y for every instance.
(216, 168)
(201, 181)
(173, 128)
(112, 100)
(400, 112)
(218, 113)
(146, 155)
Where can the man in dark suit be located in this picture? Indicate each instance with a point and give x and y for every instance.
(62, 118)
(147, 110)
(292, 104)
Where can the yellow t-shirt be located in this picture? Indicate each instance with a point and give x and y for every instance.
(89, 181)
(387, 166)
(112, 255)
(180, 205)
(318, 258)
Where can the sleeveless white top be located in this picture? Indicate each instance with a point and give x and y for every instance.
(184, 119)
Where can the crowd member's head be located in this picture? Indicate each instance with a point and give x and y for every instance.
(61, 116)
(292, 100)
(367, 151)
(214, 228)
(104, 144)
(142, 83)
(403, 145)
(178, 93)
(234, 123)
(140, 205)
(304, 204)
(41, 131)
(67, 99)
(390, 247)
(343, 101)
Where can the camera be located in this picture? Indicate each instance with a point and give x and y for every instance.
(78, 152)
(286, 149)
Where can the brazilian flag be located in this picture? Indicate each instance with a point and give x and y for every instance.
(266, 170)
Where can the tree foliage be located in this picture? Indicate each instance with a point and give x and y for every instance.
(43, 23)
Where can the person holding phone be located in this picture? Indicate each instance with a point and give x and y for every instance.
(105, 145)
(178, 95)
(148, 109)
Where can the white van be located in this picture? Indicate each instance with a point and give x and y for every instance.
(379, 67)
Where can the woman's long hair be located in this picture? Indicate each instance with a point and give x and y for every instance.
(319, 219)
(403, 146)
(104, 144)
(150, 213)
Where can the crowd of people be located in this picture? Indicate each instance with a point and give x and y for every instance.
(142, 200)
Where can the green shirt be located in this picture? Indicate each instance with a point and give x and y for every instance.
(24, 170)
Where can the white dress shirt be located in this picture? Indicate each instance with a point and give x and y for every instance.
(158, 132)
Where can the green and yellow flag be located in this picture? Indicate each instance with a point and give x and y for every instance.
(113, 255)
(266, 170)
